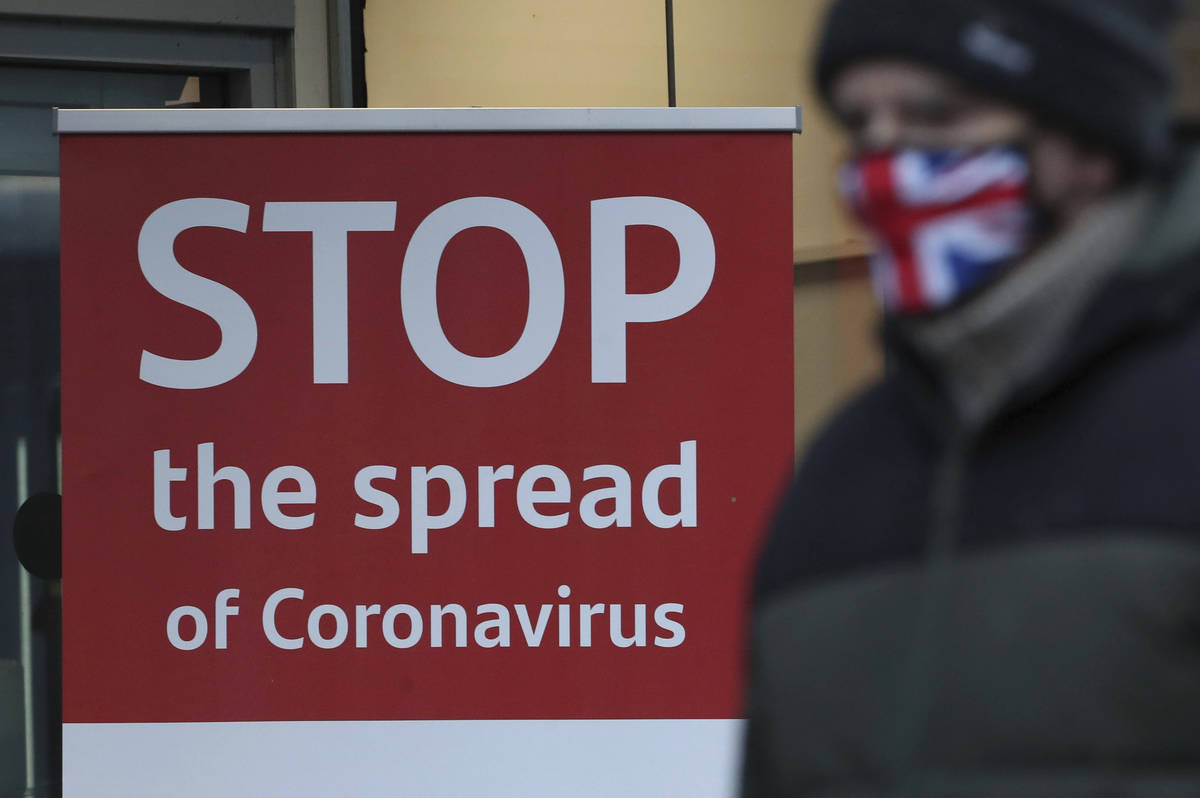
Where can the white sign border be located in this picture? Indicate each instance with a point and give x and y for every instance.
(426, 120)
(383, 759)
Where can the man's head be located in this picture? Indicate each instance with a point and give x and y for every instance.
(1094, 69)
(1079, 89)
(895, 105)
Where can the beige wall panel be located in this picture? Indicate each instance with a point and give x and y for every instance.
(758, 52)
(860, 358)
(816, 355)
(505, 53)
(836, 349)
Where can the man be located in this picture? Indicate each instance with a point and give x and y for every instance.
(985, 580)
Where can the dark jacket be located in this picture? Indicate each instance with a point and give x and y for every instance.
(1010, 606)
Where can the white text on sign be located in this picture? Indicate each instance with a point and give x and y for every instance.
(330, 223)
(540, 493)
(489, 625)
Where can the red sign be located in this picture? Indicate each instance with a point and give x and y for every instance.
(405, 426)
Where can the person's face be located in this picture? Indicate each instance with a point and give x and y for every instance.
(892, 105)
(889, 105)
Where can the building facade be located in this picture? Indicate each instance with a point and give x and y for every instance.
(382, 53)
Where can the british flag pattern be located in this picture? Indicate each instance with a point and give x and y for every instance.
(944, 223)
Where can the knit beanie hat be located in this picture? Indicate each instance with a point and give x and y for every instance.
(1095, 68)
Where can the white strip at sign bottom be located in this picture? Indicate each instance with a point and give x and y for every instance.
(429, 759)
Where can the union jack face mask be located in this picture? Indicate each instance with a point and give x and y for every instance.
(944, 223)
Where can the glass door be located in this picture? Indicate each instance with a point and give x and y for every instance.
(30, 607)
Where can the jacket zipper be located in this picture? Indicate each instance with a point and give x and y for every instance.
(916, 679)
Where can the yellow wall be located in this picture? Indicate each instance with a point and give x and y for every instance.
(613, 53)
(508, 53)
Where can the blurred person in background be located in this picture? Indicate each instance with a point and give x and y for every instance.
(985, 580)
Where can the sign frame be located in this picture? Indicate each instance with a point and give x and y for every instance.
(639, 757)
